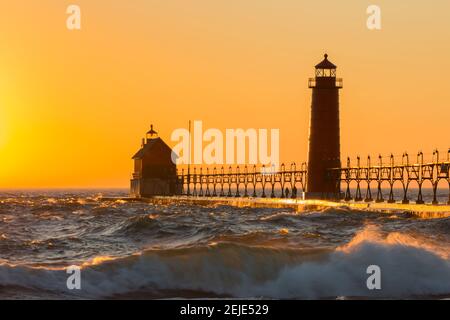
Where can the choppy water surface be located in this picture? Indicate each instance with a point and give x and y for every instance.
(141, 250)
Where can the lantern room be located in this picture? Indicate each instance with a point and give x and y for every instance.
(325, 75)
(325, 68)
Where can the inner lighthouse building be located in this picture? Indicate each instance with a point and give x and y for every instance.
(155, 173)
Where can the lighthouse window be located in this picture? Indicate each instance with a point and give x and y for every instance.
(325, 72)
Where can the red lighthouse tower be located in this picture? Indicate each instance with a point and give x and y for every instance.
(324, 140)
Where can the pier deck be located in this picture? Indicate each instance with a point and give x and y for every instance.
(420, 210)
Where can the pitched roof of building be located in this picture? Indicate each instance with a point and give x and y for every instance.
(326, 64)
(151, 143)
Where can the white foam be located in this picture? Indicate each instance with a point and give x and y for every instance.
(408, 269)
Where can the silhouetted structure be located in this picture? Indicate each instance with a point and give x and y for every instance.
(324, 143)
(320, 178)
(404, 174)
(245, 182)
(154, 171)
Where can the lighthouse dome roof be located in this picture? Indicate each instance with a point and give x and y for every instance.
(326, 64)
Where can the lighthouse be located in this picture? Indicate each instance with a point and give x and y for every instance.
(324, 138)
(154, 171)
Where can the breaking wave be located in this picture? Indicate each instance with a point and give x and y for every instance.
(145, 250)
(410, 267)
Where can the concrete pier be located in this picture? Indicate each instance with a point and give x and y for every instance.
(427, 211)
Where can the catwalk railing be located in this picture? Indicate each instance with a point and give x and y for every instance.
(290, 182)
(405, 175)
(244, 181)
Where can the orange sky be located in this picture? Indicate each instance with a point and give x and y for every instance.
(75, 104)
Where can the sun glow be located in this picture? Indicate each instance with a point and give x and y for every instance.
(74, 104)
(2, 132)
